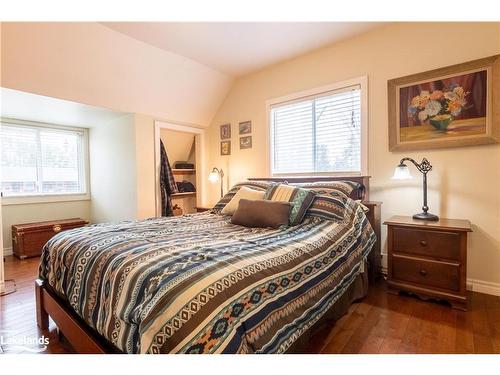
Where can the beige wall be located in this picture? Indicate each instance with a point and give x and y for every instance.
(112, 170)
(92, 64)
(145, 165)
(27, 213)
(464, 182)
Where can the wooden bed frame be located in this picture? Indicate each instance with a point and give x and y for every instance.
(86, 340)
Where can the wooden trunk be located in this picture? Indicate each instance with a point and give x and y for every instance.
(28, 239)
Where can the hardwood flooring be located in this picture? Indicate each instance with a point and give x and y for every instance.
(17, 310)
(381, 323)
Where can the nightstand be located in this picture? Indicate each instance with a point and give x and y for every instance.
(428, 258)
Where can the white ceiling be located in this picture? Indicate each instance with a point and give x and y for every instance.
(239, 48)
(31, 107)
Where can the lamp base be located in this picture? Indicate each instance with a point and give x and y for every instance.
(426, 216)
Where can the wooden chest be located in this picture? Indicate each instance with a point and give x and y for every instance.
(428, 258)
(28, 239)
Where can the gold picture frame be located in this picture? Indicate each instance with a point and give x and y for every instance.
(454, 106)
(225, 148)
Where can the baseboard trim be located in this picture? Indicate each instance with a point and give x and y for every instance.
(485, 287)
(7, 251)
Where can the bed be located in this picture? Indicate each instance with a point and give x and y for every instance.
(199, 284)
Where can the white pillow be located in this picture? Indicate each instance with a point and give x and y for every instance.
(243, 193)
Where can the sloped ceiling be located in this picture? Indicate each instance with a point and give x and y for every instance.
(92, 64)
(21, 105)
(238, 48)
(172, 71)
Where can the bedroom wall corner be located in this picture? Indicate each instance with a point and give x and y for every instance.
(461, 184)
(145, 165)
(112, 170)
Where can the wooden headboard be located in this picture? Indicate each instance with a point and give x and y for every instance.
(363, 193)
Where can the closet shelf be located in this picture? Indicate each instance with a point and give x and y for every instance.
(180, 195)
(183, 171)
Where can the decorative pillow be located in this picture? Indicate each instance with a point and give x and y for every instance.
(330, 205)
(262, 213)
(243, 193)
(261, 186)
(345, 187)
(300, 198)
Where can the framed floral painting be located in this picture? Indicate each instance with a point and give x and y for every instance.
(454, 106)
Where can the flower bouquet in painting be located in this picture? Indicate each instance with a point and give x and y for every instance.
(450, 106)
(438, 107)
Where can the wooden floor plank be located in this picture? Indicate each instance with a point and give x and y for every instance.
(380, 323)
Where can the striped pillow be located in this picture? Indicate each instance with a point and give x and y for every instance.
(329, 205)
(300, 198)
(345, 187)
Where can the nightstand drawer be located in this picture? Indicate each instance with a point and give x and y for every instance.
(435, 274)
(426, 242)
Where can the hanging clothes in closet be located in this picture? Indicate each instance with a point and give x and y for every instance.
(167, 183)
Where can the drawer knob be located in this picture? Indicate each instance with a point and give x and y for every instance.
(423, 272)
(56, 228)
(423, 243)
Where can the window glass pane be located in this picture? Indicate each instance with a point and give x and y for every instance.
(338, 133)
(19, 161)
(41, 160)
(322, 134)
(293, 137)
(59, 154)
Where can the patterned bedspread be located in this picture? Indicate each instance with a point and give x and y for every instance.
(199, 284)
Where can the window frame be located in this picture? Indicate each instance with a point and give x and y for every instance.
(48, 197)
(362, 82)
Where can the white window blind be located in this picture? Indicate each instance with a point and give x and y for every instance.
(318, 134)
(38, 160)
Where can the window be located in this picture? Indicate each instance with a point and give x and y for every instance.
(321, 132)
(42, 160)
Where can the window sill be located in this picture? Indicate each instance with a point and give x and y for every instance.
(32, 199)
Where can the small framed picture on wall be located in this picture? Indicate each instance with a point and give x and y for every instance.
(245, 127)
(225, 131)
(225, 148)
(245, 142)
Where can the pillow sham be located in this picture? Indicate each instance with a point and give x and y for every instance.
(329, 205)
(300, 198)
(345, 187)
(261, 186)
(243, 193)
(262, 213)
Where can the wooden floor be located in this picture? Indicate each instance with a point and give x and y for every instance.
(381, 323)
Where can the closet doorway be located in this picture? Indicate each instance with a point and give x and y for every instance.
(183, 146)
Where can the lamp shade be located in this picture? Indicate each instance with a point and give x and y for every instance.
(213, 177)
(402, 172)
